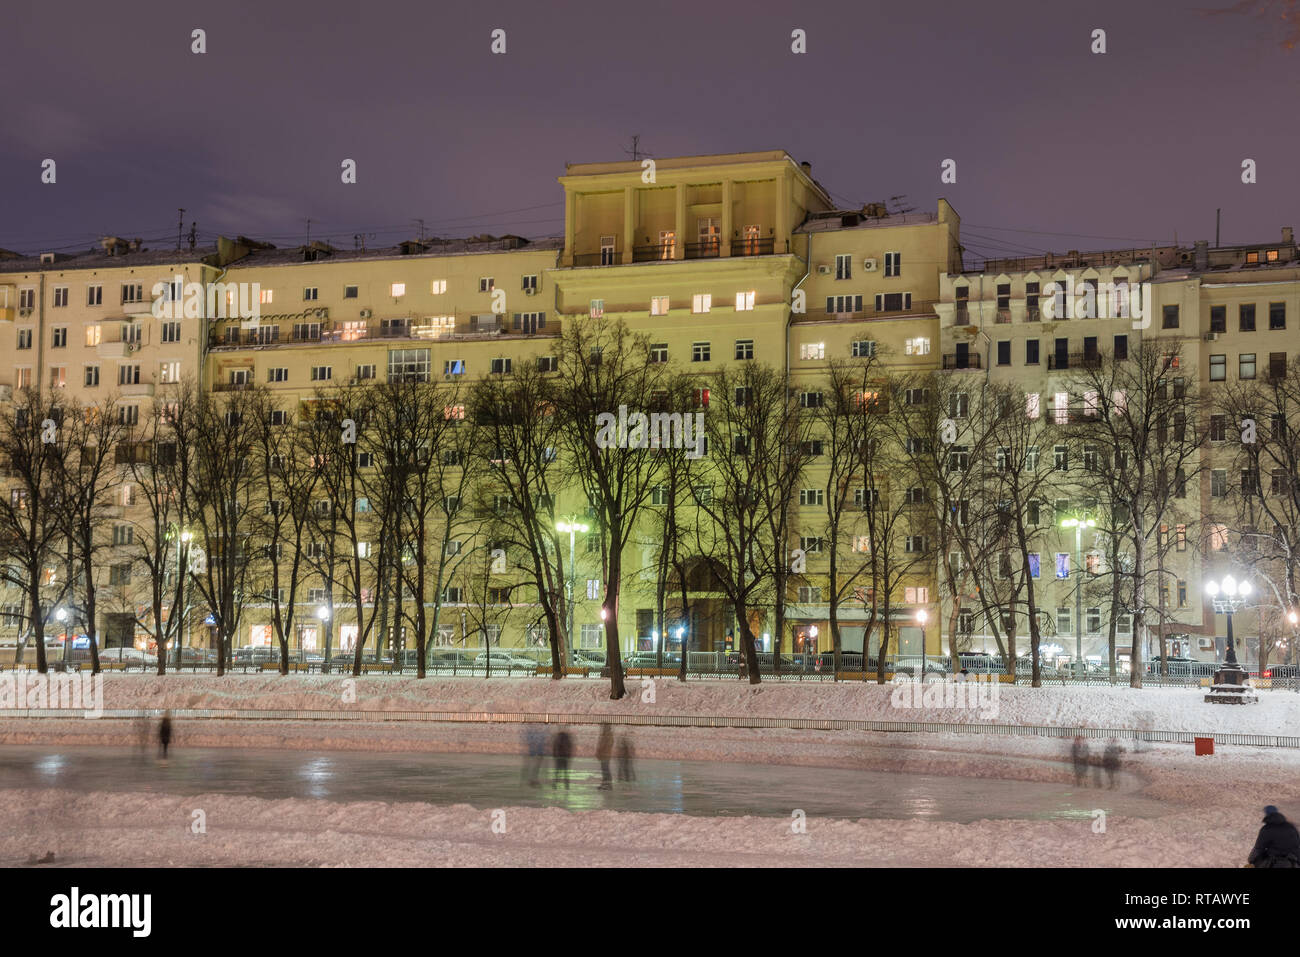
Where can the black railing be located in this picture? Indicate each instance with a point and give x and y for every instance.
(968, 361)
(1075, 360)
(710, 250)
(656, 252)
(752, 247)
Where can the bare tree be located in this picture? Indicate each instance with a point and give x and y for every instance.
(605, 375)
(34, 444)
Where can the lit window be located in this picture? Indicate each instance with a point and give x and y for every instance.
(744, 301)
(397, 290)
(812, 350)
(701, 302)
(920, 346)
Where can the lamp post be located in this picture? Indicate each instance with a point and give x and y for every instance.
(1229, 681)
(62, 616)
(572, 528)
(921, 618)
(182, 567)
(323, 613)
(1078, 524)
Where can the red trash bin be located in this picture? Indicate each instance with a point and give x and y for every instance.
(1204, 745)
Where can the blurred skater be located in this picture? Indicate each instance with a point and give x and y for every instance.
(164, 734)
(535, 741)
(1278, 844)
(1079, 755)
(561, 751)
(1110, 761)
(626, 770)
(605, 751)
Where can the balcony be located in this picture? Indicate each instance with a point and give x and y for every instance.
(136, 389)
(142, 308)
(753, 247)
(954, 361)
(231, 386)
(656, 252)
(1075, 360)
(709, 250)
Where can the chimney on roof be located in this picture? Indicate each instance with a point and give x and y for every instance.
(114, 245)
(1201, 255)
(807, 169)
(1288, 235)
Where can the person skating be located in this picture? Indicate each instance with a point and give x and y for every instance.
(626, 770)
(561, 751)
(164, 734)
(1278, 844)
(1079, 755)
(535, 740)
(605, 751)
(1110, 761)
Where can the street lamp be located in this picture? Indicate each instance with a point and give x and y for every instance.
(1078, 524)
(921, 618)
(182, 566)
(573, 528)
(1227, 595)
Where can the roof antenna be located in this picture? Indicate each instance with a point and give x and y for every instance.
(636, 152)
(901, 206)
(180, 227)
(1218, 214)
(194, 235)
(308, 232)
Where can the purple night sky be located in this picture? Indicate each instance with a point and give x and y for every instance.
(1056, 147)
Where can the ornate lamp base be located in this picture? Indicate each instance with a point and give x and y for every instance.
(1230, 687)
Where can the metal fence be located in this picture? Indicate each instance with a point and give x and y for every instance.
(1143, 734)
(699, 666)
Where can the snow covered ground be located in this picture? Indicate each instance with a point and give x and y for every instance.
(1175, 709)
(1213, 803)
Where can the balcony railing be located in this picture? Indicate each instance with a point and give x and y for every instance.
(710, 250)
(753, 247)
(954, 361)
(656, 252)
(1075, 360)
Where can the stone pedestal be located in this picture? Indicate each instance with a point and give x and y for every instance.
(1230, 687)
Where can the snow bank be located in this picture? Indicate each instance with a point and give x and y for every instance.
(1173, 709)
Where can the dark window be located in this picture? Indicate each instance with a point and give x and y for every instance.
(1277, 315)
(1121, 347)
(1246, 317)
(1090, 347)
(1170, 317)
(1004, 352)
(1218, 318)
(1031, 352)
(1277, 365)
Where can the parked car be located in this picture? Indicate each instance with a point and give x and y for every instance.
(504, 661)
(583, 658)
(1282, 671)
(1084, 670)
(128, 656)
(911, 666)
(979, 663)
(256, 655)
(1180, 667)
(195, 656)
(1025, 667)
(648, 659)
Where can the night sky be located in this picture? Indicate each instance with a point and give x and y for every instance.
(1056, 147)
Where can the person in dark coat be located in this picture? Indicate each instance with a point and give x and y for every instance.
(1110, 761)
(165, 733)
(626, 770)
(605, 751)
(535, 740)
(561, 751)
(1278, 844)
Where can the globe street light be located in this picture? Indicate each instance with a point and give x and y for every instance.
(1227, 595)
(573, 528)
(1078, 524)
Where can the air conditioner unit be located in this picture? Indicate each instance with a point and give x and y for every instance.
(869, 265)
(530, 291)
(367, 313)
(824, 270)
(1211, 336)
(24, 313)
